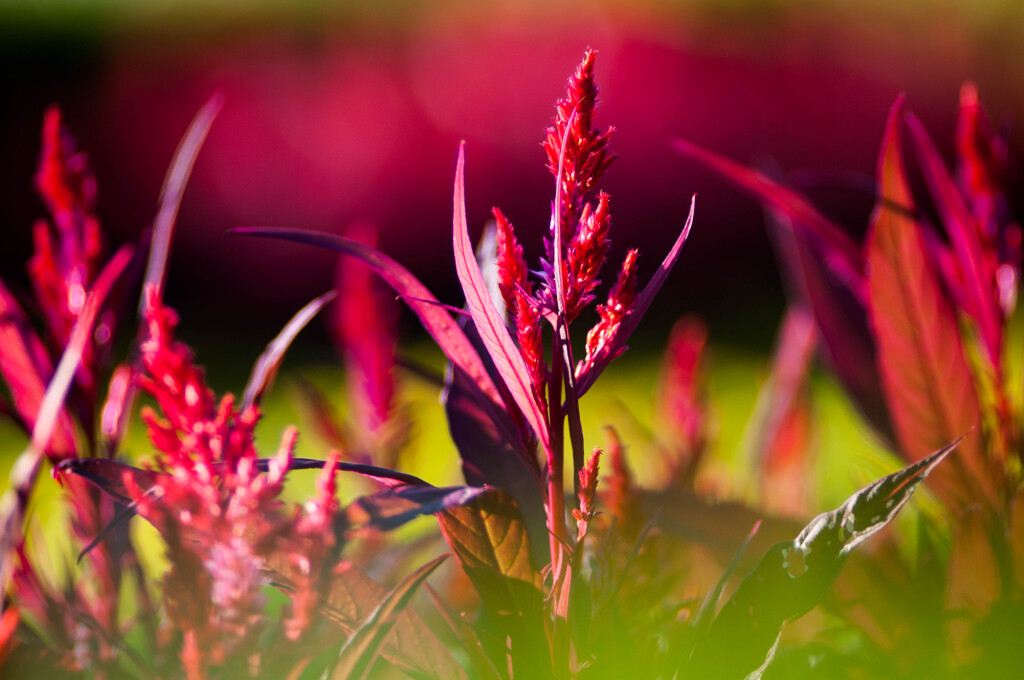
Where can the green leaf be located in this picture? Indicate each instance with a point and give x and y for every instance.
(365, 644)
(793, 576)
(490, 541)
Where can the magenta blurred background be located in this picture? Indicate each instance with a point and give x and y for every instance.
(354, 113)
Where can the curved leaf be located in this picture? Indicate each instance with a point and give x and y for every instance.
(267, 363)
(432, 314)
(351, 598)
(927, 380)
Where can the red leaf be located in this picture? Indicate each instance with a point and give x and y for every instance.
(925, 375)
(495, 336)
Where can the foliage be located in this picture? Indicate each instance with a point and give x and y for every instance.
(597, 589)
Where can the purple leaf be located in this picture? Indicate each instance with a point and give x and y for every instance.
(392, 508)
(267, 363)
(617, 344)
(495, 336)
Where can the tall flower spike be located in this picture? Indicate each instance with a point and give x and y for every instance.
(587, 494)
(586, 155)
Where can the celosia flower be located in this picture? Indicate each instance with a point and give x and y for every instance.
(221, 516)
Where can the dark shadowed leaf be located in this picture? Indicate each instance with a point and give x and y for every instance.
(490, 541)
(793, 576)
(267, 363)
(392, 508)
(366, 642)
(927, 380)
(495, 336)
(617, 344)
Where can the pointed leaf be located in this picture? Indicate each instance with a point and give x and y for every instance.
(499, 344)
(490, 541)
(925, 374)
(840, 316)
(793, 576)
(267, 363)
(617, 344)
(25, 367)
(366, 643)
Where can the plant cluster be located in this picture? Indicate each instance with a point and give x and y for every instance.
(587, 581)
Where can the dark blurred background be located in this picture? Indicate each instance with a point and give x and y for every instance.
(343, 112)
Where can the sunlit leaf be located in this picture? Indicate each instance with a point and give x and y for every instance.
(495, 336)
(927, 380)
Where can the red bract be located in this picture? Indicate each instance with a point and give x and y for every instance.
(612, 313)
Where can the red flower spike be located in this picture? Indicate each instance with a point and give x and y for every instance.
(587, 156)
(529, 336)
(65, 261)
(620, 300)
(512, 271)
